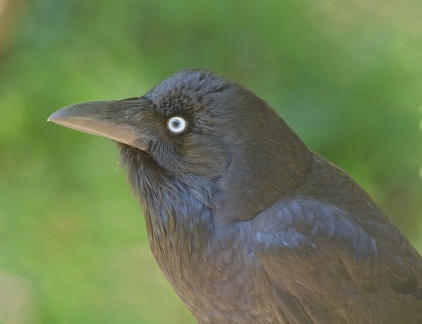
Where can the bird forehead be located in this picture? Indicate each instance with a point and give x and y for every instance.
(186, 90)
(174, 103)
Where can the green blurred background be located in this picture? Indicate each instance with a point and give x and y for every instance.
(346, 75)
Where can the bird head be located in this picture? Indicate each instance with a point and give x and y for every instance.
(197, 129)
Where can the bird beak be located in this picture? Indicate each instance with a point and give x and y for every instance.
(118, 120)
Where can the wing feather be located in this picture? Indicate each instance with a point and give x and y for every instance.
(326, 265)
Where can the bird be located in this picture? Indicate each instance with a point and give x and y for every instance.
(247, 224)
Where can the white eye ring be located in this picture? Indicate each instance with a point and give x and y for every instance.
(177, 125)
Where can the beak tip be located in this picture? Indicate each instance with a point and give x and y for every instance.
(55, 116)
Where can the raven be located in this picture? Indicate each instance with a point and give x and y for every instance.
(247, 224)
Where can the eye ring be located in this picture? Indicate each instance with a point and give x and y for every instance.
(177, 125)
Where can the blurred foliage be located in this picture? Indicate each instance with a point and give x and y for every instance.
(345, 75)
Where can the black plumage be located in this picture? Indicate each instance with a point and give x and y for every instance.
(246, 223)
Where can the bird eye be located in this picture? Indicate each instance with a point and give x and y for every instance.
(176, 125)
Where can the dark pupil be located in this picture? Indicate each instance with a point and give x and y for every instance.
(176, 123)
